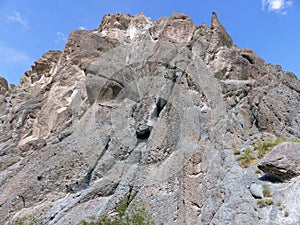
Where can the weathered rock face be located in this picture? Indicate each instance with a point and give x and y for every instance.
(3, 86)
(153, 107)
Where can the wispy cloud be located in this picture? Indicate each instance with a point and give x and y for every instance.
(82, 28)
(17, 18)
(61, 38)
(278, 6)
(11, 55)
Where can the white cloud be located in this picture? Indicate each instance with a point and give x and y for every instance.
(82, 28)
(278, 6)
(61, 38)
(17, 18)
(11, 55)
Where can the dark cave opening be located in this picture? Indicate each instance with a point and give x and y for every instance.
(160, 105)
(143, 134)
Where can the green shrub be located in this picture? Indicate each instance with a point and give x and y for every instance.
(286, 213)
(237, 152)
(247, 158)
(128, 212)
(260, 203)
(250, 133)
(263, 202)
(268, 201)
(257, 171)
(266, 191)
(278, 203)
(25, 221)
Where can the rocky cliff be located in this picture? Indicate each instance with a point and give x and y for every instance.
(159, 108)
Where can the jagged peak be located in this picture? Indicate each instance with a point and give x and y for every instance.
(119, 21)
(3, 85)
(219, 36)
(179, 16)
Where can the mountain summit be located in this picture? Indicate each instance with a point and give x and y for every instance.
(171, 113)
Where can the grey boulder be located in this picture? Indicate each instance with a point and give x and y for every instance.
(283, 162)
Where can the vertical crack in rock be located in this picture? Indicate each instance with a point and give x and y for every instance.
(144, 131)
(88, 176)
(160, 105)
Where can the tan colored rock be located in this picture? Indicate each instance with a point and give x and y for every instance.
(3, 86)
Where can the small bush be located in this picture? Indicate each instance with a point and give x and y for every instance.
(286, 213)
(268, 201)
(260, 203)
(278, 203)
(257, 171)
(263, 202)
(128, 212)
(247, 159)
(237, 152)
(266, 191)
(25, 221)
(251, 133)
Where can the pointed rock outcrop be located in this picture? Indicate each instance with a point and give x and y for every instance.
(3, 85)
(219, 36)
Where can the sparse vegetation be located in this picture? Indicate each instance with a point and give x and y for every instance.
(237, 152)
(247, 158)
(25, 221)
(259, 150)
(268, 201)
(128, 212)
(266, 191)
(263, 202)
(278, 203)
(286, 213)
(263, 147)
(257, 170)
(260, 203)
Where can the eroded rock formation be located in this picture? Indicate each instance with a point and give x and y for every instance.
(154, 107)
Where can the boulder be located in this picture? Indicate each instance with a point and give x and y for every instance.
(256, 190)
(283, 162)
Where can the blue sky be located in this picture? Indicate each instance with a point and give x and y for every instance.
(30, 28)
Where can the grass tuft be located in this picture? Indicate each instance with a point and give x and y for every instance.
(247, 159)
(266, 191)
(25, 221)
(128, 212)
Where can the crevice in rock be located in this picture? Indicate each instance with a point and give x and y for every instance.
(143, 134)
(248, 58)
(270, 178)
(88, 176)
(23, 200)
(110, 91)
(160, 105)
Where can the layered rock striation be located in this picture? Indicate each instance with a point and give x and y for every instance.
(151, 107)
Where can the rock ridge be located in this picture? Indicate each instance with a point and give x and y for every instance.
(157, 108)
